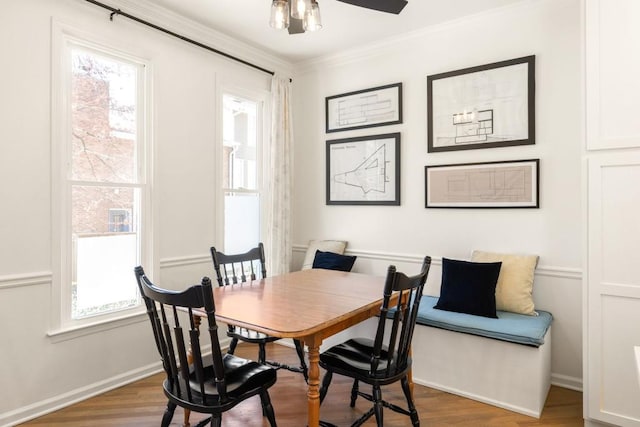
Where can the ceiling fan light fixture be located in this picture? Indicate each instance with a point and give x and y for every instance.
(299, 8)
(312, 21)
(279, 14)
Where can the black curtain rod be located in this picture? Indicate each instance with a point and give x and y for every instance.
(115, 11)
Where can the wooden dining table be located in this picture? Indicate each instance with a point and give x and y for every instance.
(308, 305)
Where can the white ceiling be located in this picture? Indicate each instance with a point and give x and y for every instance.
(344, 26)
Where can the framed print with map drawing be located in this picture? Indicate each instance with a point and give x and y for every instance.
(487, 106)
(378, 106)
(364, 170)
(509, 184)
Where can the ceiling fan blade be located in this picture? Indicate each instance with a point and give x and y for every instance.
(390, 6)
(295, 26)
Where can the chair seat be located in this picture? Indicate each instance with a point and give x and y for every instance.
(386, 359)
(242, 376)
(248, 335)
(353, 358)
(243, 268)
(213, 384)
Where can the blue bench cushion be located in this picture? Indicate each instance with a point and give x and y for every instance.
(512, 327)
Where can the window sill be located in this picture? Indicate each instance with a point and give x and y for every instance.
(72, 332)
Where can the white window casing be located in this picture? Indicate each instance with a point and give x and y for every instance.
(63, 325)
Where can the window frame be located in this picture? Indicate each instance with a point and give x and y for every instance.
(261, 98)
(64, 39)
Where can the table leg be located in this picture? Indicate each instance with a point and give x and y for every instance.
(313, 394)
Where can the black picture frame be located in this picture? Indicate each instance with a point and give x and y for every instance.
(364, 170)
(366, 108)
(486, 106)
(501, 184)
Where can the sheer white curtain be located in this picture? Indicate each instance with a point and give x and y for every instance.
(278, 242)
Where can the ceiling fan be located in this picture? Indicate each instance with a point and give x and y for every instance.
(389, 6)
(299, 16)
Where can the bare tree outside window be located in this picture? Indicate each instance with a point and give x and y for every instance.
(105, 190)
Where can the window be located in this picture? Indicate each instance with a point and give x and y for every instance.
(103, 185)
(241, 166)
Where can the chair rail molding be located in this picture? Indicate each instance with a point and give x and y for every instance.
(183, 261)
(27, 279)
(545, 270)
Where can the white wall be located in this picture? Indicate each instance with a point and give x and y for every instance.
(549, 29)
(44, 372)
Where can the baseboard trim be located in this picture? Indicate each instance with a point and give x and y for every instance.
(565, 381)
(52, 404)
(30, 412)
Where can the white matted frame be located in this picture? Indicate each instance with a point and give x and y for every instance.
(364, 170)
(486, 106)
(378, 106)
(506, 184)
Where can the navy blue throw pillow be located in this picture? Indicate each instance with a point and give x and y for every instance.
(469, 287)
(333, 261)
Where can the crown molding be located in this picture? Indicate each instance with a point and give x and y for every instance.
(392, 44)
(162, 17)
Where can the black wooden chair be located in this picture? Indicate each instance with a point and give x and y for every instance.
(240, 268)
(386, 358)
(212, 384)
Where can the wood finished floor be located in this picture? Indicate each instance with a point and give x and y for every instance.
(142, 403)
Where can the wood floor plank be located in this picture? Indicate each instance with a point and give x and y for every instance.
(142, 403)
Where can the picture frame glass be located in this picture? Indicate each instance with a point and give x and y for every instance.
(482, 107)
(364, 170)
(510, 184)
(365, 108)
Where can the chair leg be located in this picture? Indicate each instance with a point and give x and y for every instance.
(262, 354)
(216, 421)
(377, 405)
(232, 346)
(206, 421)
(325, 385)
(360, 421)
(303, 364)
(168, 414)
(415, 420)
(267, 408)
(354, 393)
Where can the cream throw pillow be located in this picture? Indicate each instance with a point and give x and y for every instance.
(515, 282)
(335, 246)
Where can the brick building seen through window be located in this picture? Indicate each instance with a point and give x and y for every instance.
(104, 184)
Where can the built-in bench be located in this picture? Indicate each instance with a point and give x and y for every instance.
(505, 362)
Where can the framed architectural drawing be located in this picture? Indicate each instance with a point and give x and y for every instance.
(510, 184)
(366, 108)
(364, 170)
(487, 106)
